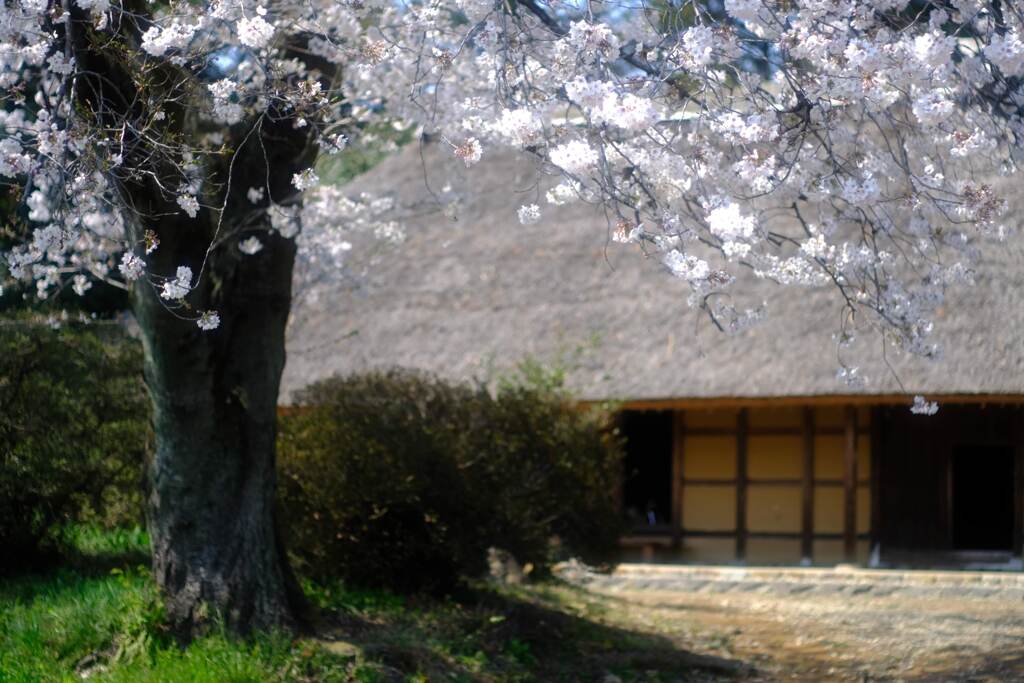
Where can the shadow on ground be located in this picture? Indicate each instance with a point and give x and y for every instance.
(508, 635)
(977, 669)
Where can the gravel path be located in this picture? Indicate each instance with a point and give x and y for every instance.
(825, 625)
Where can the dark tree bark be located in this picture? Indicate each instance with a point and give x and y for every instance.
(210, 504)
(216, 550)
(217, 553)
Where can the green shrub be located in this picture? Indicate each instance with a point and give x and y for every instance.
(401, 480)
(369, 486)
(73, 431)
(551, 472)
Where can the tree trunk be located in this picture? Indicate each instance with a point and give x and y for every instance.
(216, 551)
(210, 504)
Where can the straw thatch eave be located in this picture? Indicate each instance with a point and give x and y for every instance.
(468, 299)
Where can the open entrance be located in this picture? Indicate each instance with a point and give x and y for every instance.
(983, 482)
(647, 480)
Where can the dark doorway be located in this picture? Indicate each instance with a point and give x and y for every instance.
(983, 480)
(647, 484)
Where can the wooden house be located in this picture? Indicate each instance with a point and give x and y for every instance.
(742, 448)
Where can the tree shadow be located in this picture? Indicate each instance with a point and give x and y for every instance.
(37, 570)
(1006, 666)
(493, 634)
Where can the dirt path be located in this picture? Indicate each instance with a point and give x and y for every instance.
(843, 632)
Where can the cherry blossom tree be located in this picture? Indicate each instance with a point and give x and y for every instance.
(170, 148)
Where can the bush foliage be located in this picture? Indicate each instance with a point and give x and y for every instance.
(391, 479)
(399, 479)
(73, 431)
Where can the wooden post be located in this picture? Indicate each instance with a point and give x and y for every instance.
(678, 444)
(807, 488)
(850, 487)
(741, 485)
(1018, 489)
(876, 484)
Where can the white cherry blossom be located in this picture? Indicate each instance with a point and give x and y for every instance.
(250, 245)
(208, 320)
(255, 32)
(179, 286)
(845, 143)
(528, 214)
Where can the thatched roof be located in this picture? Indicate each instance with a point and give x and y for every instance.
(470, 298)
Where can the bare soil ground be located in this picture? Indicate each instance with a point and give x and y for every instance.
(832, 633)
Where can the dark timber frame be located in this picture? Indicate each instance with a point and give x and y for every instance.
(807, 488)
(678, 444)
(962, 421)
(673, 535)
(742, 484)
(850, 486)
(915, 523)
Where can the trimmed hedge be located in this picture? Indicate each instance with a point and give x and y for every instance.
(398, 479)
(73, 432)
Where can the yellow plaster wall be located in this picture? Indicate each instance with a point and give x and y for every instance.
(773, 551)
(828, 552)
(773, 508)
(709, 508)
(830, 457)
(863, 509)
(709, 550)
(863, 458)
(828, 509)
(770, 508)
(774, 457)
(709, 457)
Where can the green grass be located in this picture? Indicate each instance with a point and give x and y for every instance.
(93, 544)
(99, 616)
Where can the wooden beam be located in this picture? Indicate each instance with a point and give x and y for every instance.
(770, 431)
(741, 485)
(678, 452)
(832, 483)
(810, 399)
(786, 535)
(850, 486)
(750, 482)
(807, 488)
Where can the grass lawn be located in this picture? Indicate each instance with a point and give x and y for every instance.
(97, 617)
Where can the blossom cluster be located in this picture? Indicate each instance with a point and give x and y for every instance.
(854, 144)
(848, 143)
